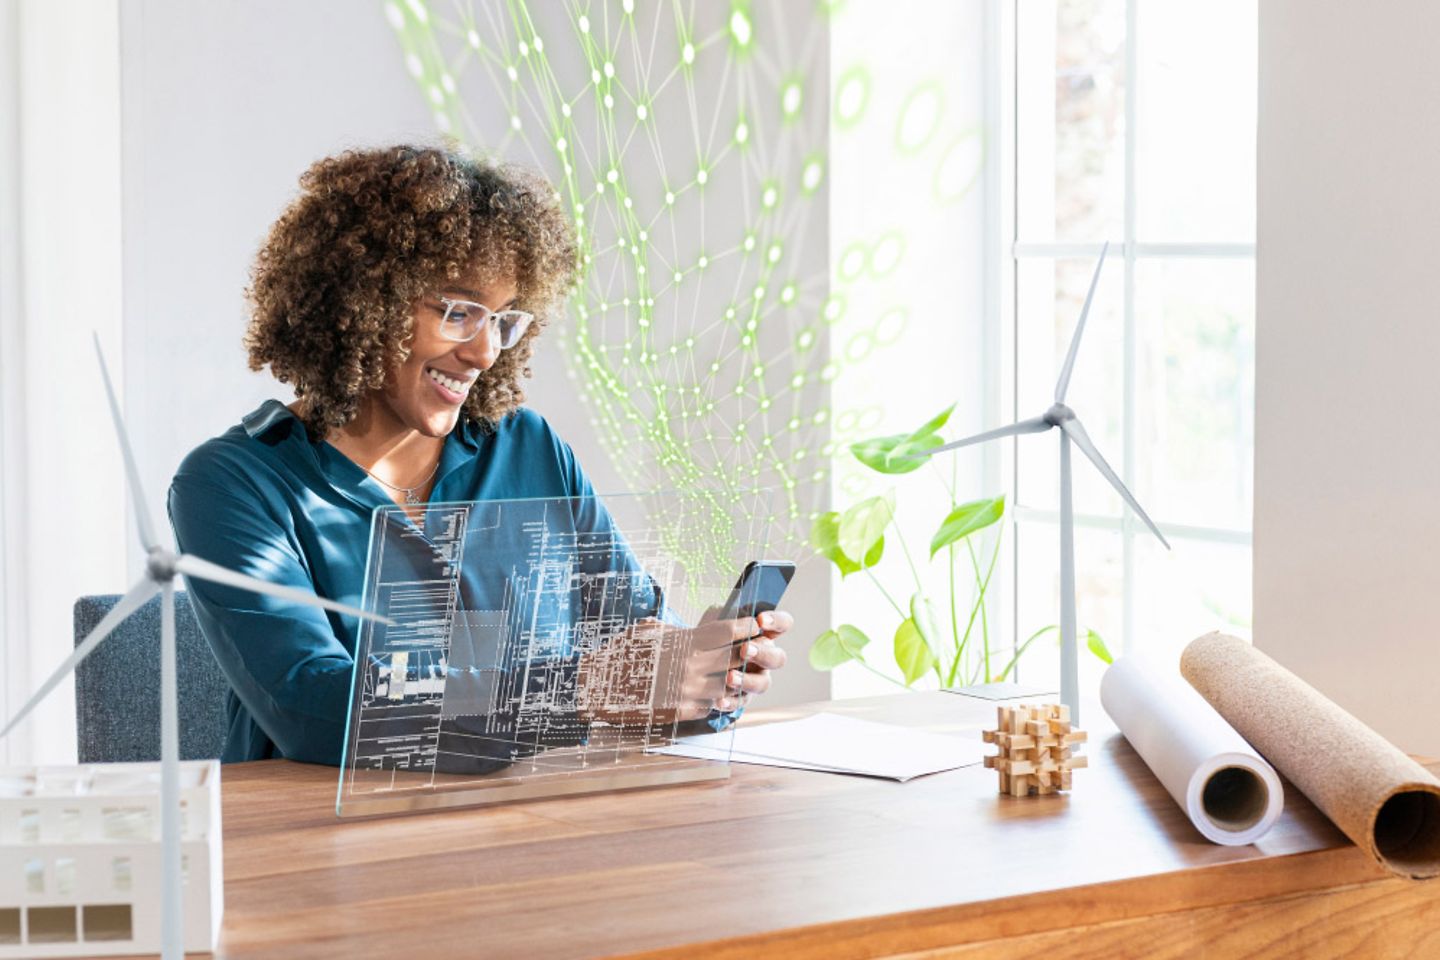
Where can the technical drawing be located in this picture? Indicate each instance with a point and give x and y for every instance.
(531, 641)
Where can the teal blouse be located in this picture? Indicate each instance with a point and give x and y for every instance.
(265, 500)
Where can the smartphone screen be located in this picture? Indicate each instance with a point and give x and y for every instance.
(759, 588)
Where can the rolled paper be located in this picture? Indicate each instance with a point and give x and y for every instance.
(1383, 800)
(1226, 789)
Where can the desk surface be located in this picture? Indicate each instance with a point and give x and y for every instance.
(811, 864)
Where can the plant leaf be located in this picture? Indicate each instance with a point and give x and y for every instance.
(966, 519)
(922, 611)
(912, 653)
(862, 526)
(834, 647)
(934, 423)
(1097, 646)
(891, 454)
(825, 536)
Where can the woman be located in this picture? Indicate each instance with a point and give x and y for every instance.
(400, 296)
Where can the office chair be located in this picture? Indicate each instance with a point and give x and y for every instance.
(117, 687)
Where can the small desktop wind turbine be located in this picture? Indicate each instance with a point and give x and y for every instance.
(1071, 430)
(161, 568)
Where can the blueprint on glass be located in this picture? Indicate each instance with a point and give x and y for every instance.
(538, 647)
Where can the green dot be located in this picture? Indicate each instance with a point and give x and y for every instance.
(891, 325)
(885, 256)
(852, 261)
(852, 94)
(811, 175)
(792, 96)
(859, 346)
(920, 115)
(959, 168)
(740, 28)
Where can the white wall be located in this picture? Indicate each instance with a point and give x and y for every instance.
(62, 513)
(1347, 486)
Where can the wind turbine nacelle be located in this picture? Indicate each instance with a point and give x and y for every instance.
(1058, 414)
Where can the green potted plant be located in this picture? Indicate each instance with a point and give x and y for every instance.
(956, 647)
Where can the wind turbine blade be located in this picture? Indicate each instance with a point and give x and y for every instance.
(1033, 425)
(127, 605)
(1063, 384)
(193, 566)
(132, 474)
(1076, 431)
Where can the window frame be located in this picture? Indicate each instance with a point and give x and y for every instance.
(1012, 251)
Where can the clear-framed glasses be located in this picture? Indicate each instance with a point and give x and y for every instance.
(463, 320)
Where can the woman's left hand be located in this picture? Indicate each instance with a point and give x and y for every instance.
(758, 656)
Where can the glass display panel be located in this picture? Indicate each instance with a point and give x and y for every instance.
(544, 647)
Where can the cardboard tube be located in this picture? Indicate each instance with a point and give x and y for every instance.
(1384, 801)
(1229, 793)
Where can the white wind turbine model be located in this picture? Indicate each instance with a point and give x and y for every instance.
(161, 568)
(1071, 430)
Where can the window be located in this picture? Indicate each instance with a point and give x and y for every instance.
(1134, 123)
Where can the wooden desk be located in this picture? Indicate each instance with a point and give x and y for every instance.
(805, 865)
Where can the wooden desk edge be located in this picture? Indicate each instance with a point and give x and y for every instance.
(1070, 910)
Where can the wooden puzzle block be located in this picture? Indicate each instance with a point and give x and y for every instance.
(1034, 743)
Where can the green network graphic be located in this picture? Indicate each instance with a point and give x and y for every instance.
(690, 142)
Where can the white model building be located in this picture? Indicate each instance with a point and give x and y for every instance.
(80, 859)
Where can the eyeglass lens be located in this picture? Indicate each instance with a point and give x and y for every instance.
(463, 321)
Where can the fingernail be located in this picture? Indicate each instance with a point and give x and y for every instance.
(725, 703)
(766, 620)
(749, 650)
(736, 679)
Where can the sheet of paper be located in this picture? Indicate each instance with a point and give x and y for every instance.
(832, 743)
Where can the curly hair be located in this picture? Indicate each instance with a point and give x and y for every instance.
(333, 289)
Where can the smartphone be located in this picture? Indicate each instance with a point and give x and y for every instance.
(760, 587)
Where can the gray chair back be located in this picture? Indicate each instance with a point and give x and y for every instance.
(117, 687)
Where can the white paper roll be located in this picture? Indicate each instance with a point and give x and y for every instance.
(1229, 792)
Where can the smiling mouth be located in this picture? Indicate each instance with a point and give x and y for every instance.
(458, 387)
